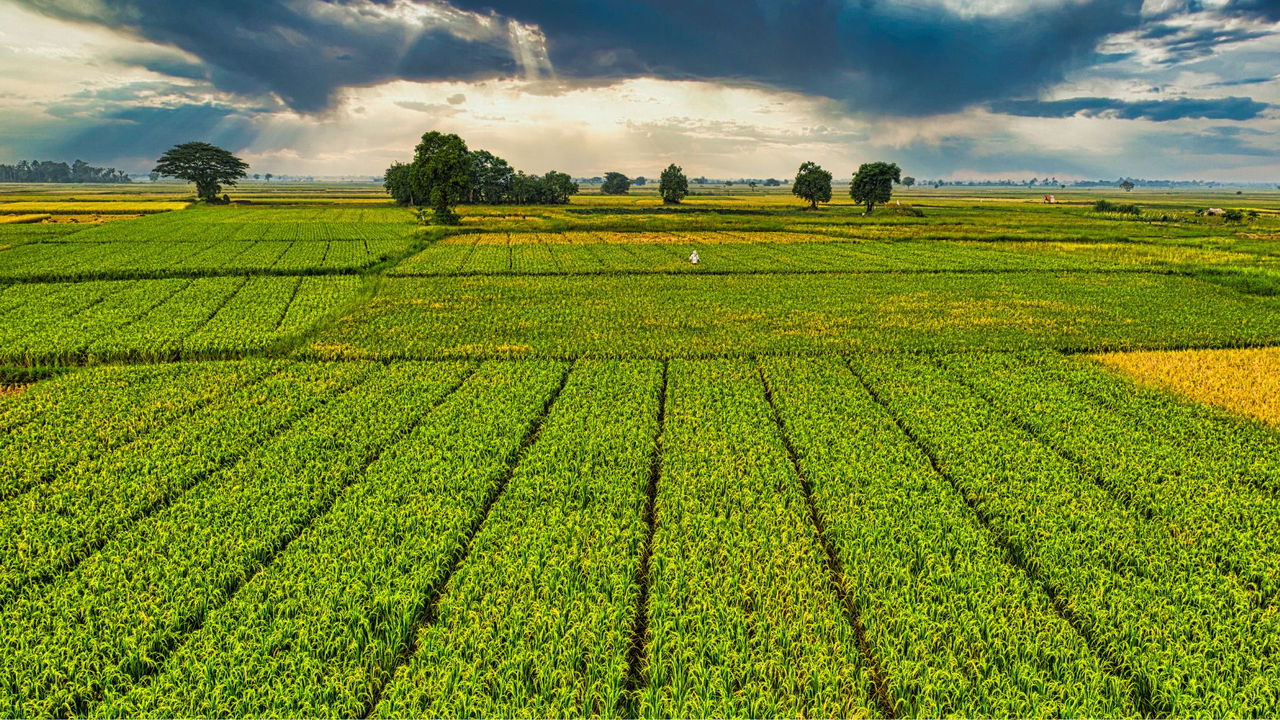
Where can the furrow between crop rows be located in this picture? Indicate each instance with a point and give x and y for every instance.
(1144, 601)
(49, 529)
(94, 632)
(743, 618)
(879, 681)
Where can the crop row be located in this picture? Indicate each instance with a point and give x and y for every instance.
(666, 316)
(537, 622)
(162, 319)
(66, 421)
(90, 261)
(222, 224)
(1215, 491)
(752, 256)
(957, 629)
(318, 632)
(743, 616)
(1149, 604)
(113, 482)
(114, 618)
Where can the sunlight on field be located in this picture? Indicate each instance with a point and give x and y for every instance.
(1242, 381)
(105, 207)
(22, 219)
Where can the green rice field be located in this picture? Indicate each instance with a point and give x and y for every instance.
(302, 456)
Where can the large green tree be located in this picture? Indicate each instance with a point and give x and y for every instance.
(873, 184)
(441, 173)
(615, 183)
(812, 184)
(673, 185)
(208, 166)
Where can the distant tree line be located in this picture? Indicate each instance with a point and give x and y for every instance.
(60, 172)
(1053, 182)
(444, 173)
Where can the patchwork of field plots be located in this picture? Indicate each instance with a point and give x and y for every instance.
(162, 319)
(301, 459)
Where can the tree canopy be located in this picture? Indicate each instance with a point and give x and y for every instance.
(673, 185)
(441, 173)
(443, 164)
(615, 183)
(812, 184)
(208, 166)
(491, 178)
(873, 183)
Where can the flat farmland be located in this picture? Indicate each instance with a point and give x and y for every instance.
(304, 457)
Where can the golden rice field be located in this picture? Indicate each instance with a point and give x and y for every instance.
(105, 207)
(1244, 381)
(21, 219)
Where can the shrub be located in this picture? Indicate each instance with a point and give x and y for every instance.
(1106, 206)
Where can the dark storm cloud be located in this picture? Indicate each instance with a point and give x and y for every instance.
(1230, 108)
(1182, 44)
(139, 134)
(903, 57)
(302, 52)
(907, 56)
(896, 57)
(1265, 9)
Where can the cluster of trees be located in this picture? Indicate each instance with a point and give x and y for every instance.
(60, 172)
(673, 186)
(872, 184)
(444, 173)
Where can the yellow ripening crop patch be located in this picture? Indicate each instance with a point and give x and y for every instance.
(1246, 382)
(23, 219)
(9, 391)
(601, 237)
(105, 207)
(1126, 253)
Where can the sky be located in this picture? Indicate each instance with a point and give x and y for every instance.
(950, 89)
